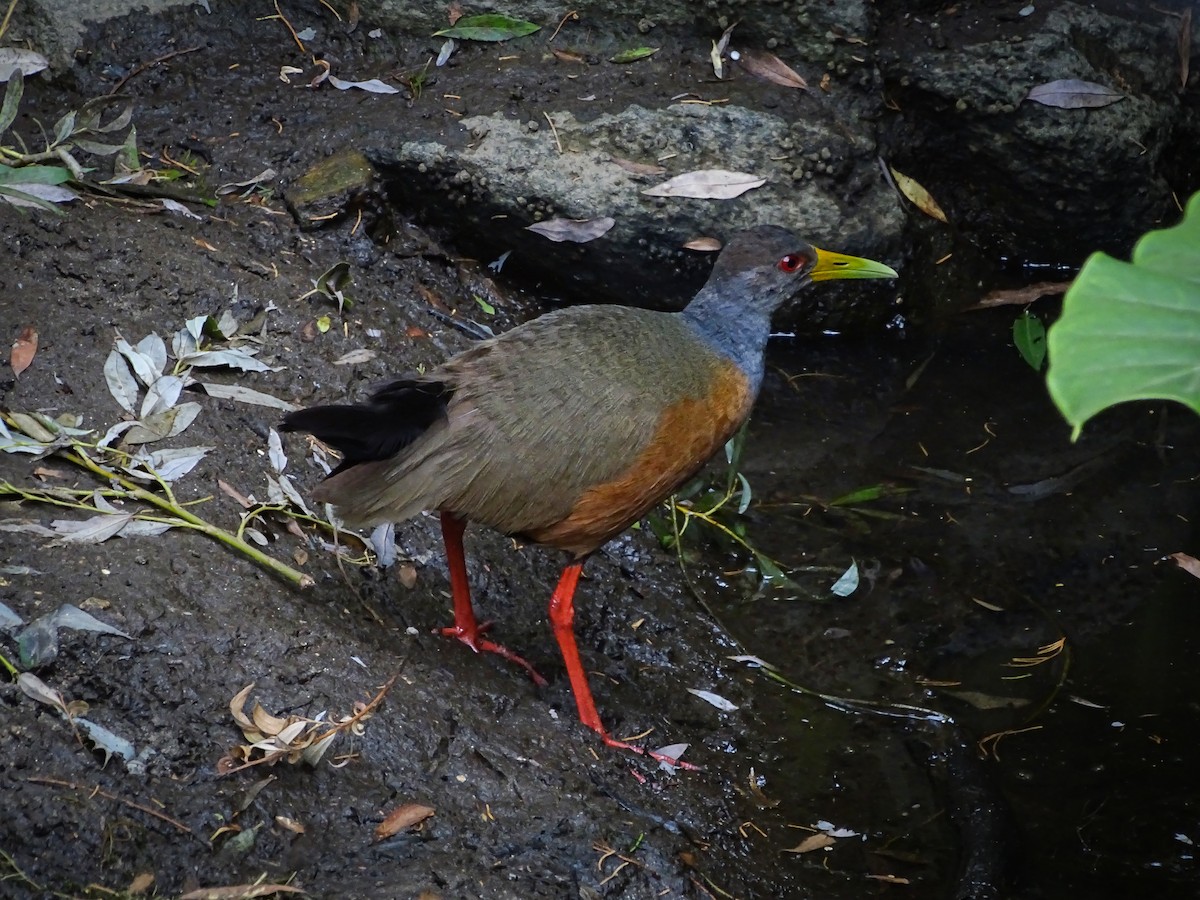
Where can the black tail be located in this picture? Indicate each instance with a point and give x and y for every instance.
(395, 415)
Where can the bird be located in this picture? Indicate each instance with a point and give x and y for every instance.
(569, 428)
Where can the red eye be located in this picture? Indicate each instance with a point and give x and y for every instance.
(793, 262)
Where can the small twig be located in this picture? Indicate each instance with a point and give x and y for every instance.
(283, 570)
(288, 25)
(151, 64)
(573, 14)
(336, 14)
(8, 16)
(96, 791)
(554, 131)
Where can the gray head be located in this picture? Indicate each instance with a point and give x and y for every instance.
(762, 267)
(759, 270)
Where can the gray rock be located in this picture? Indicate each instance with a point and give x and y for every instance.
(1034, 182)
(836, 198)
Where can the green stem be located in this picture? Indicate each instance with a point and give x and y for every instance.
(284, 571)
(9, 667)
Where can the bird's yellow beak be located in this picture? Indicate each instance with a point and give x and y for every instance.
(837, 265)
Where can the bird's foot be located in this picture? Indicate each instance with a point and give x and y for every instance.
(472, 638)
(659, 757)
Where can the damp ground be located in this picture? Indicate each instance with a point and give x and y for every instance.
(1005, 706)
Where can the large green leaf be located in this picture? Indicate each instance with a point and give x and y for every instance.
(1131, 331)
(33, 174)
(488, 27)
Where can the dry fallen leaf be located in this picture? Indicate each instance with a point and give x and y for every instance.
(407, 574)
(575, 231)
(568, 56)
(770, 67)
(1189, 564)
(811, 843)
(400, 818)
(718, 51)
(707, 184)
(920, 197)
(23, 349)
(455, 12)
(1071, 93)
(240, 892)
(704, 244)
(140, 884)
(637, 168)
(1185, 48)
(354, 357)
(290, 824)
(980, 700)
(1022, 296)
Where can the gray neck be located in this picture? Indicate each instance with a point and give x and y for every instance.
(736, 330)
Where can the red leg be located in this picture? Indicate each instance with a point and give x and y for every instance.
(465, 627)
(562, 618)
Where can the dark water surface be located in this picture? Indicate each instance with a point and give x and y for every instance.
(1010, 540)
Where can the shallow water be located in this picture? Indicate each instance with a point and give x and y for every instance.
(1009, 539)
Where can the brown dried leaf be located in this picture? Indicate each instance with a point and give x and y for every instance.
(637, 168)
(454, 12)
(915, 192)
(1189, 564)
(1071, 93)
(811, 843)
(34, 688)
(290, 824)
(1022, 296)
(574, 231)
(432, 298)
(718, 51)
(704, 244)
(402, 817)
(140, 884)
(23, 350)
(230, 491)
(407, 574)
(568, 56)
(235, 707)
(770, 67)
(240, 892)
(1185, 48)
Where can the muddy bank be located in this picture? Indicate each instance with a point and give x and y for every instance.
(526, 804)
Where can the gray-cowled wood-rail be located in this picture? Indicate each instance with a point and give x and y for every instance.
(569, 428)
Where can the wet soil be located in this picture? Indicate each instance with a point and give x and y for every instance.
(1058, 539)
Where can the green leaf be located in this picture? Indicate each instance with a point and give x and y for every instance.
(33, 175)
(861, 495)
(1029, 334)
(490, 27)
(484, 305)
(12, 99)
(628, 56)
(64, 128)
(744, 502)
(770, 572)
(1131, 331)
(128, 157)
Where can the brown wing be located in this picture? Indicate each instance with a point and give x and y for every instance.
(565, 429)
